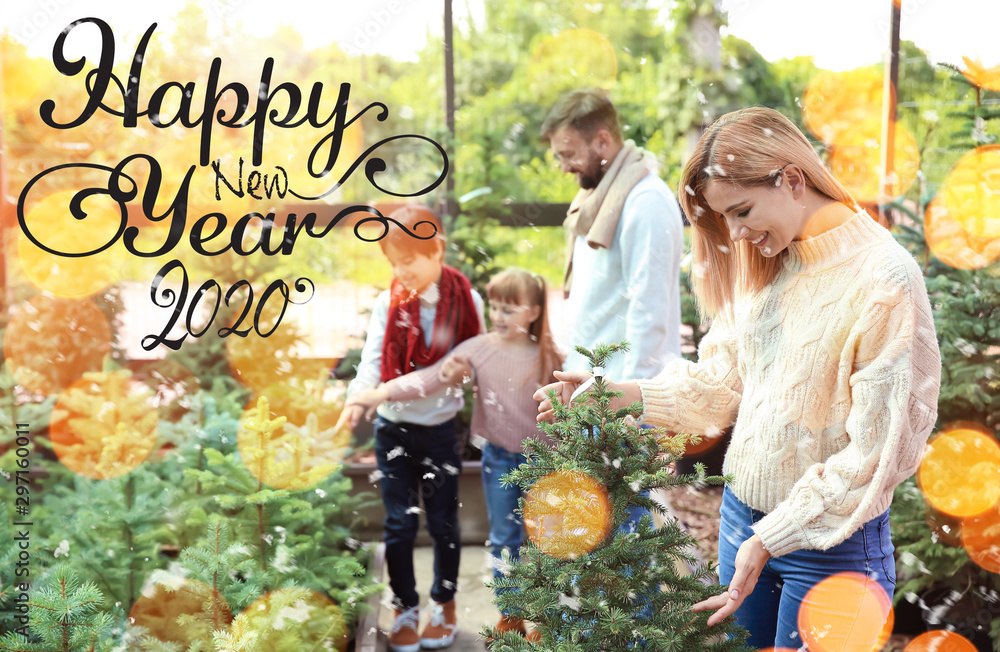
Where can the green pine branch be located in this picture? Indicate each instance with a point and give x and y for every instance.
(590, 600)
(65, 616)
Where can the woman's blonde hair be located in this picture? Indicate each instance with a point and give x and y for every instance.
(522, 288)
(749, 148)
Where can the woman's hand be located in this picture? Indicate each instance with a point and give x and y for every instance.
(363, 403)
(750, 560)
(568, 383)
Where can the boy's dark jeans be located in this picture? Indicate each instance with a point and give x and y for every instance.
(419, 462)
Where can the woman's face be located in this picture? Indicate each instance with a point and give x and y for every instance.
(768, 216)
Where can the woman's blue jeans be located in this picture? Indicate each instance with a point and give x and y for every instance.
(770, 613)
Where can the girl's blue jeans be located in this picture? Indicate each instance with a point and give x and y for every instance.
(506, 527)
(770, 613)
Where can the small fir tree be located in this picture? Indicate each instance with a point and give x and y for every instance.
(299, 534)
(65, 616)
(237, 485)
(583, 580)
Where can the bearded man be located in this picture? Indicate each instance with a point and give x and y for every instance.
(624, 240)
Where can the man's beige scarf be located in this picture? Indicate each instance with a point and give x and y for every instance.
(594, 213)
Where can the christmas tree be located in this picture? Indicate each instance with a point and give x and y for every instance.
(587, 582)
(65, 615)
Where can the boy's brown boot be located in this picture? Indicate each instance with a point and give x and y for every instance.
(403, 636)
(441, 628)
(508, 624)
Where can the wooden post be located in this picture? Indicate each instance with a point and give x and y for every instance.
(451, 207)
(891, 81)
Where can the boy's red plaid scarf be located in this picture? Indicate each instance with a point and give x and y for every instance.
(455, 320)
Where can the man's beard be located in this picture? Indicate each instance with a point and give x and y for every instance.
(593, 175)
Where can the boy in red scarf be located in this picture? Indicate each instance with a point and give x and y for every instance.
(429, 309)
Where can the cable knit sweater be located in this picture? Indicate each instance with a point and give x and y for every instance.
(831, 374)
(504, 412)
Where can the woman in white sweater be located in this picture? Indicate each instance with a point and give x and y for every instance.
(822, 352)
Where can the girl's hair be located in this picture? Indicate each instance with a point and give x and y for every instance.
(749, 148)
(520, 287)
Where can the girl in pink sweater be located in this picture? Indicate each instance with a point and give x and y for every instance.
(509, 363)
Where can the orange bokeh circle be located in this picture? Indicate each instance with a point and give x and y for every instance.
(51, 342)
(262, 361)
(287, 455)
(950, 243)
(568, 59)
(567, 514)
(960, 472)
(295, 617)
(846, 611)
(856, 160)
(51, 223)
(104, 425)
(161, 605)
(981, 538)
(834, 102)
(21, 74)
(972, 192)
(940, 640)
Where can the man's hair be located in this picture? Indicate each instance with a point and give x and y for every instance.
(588, 111)
(419, 221)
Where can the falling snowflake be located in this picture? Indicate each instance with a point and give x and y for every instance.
(299, 612)
(570, 602)
(62, 550)
(283, 561)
